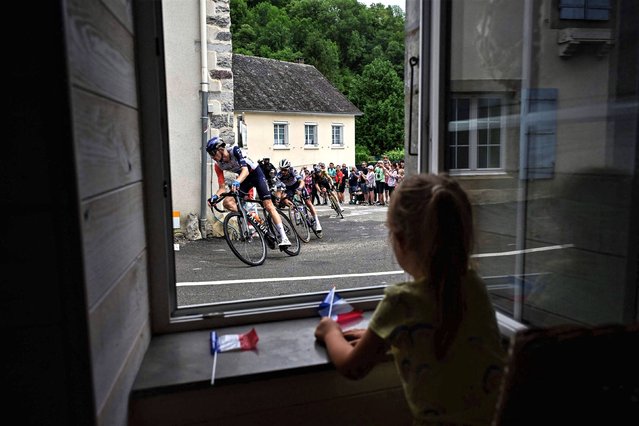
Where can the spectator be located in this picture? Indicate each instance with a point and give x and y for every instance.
(440, 326)
(353, 184)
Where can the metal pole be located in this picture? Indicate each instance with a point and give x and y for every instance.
(205, 116)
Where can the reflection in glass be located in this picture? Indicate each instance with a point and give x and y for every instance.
(550, 124)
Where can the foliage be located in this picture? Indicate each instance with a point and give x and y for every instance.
(360, 49)
(362, 154)
(395, 155)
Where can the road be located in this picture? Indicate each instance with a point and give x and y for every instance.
(354, 252)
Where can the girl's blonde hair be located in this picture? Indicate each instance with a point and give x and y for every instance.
(432, 217)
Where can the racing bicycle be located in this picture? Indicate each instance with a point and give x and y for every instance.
(302, 219)
(330, 193)
(248, 233)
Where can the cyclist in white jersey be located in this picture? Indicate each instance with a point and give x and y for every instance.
(249, 175)
(294, 182)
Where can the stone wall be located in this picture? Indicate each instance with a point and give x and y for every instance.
(220, 58)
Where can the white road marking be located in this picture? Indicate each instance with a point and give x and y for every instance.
(305, 278)
(366, 274)
(530, 250)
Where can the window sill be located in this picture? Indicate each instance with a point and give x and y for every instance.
(281, 147)
(311, 147)
(337, 147)
(182, 361)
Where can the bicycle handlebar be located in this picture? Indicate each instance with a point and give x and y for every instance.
(236, 196)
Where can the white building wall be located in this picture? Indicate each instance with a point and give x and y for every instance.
(183, 65)
(182, 47)
(260, 138)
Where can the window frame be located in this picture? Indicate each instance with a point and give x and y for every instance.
(315, 142)
(473, 138)
(339, 126)
(584, 6)
(285, 128)
(166, 317)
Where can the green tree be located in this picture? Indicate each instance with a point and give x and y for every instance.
(359, 49)
(378, 92)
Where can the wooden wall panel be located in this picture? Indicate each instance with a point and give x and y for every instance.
(101, 52)
(107, 141)
(114, 410)
(115, 325)
(122, 11)
(113, 237)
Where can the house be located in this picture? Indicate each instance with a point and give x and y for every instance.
(291, 111)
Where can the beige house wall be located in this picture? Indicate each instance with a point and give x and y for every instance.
(260, 138)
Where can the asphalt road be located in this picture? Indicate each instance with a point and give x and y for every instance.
(354, 252)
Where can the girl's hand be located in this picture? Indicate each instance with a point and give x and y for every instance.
(325, 327)
(353, 336)
(354, 333)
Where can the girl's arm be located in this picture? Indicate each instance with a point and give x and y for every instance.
(352, 361)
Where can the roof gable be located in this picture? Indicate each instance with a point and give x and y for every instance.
(262, 84)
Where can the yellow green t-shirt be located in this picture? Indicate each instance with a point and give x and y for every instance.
(463, 387)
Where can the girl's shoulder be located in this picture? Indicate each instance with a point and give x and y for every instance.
(407, 289)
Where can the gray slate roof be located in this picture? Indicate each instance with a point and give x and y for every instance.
(262, 84)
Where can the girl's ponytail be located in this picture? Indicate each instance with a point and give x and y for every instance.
(449, 211)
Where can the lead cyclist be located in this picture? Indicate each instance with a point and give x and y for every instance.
(249, 175)
(294, 183)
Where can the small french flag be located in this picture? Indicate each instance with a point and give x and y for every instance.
(231, 342)
(338, 309)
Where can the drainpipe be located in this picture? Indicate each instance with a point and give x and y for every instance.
(205, 116)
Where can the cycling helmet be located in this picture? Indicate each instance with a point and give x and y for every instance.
(284, 163)
(213, 144)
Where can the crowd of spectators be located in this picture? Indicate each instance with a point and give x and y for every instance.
(366, 184)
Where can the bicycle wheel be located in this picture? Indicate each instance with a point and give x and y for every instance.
(250, 249)
(335, 205)
(298, 220)
(295, 247)
(309, 221)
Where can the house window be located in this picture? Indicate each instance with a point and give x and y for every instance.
(589, 10)
(280, 134)
(337, 137)
(475, 134)
(310, 134)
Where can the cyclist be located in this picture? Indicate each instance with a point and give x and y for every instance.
(325, 186)
(249, 175)
(294, 183)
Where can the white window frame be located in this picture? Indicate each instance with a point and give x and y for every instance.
(473, 138)
(339, 126)
(286, 144)
(315, 144)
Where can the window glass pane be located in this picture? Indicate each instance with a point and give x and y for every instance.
(279, 137)
(482, 157)
(462, 157)
(493, 157)
(337, 135)
(482, 134)
(309, 134)
(565, 252)
(494, 136)
(299, 110)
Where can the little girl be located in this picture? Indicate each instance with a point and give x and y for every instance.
(440, 327)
